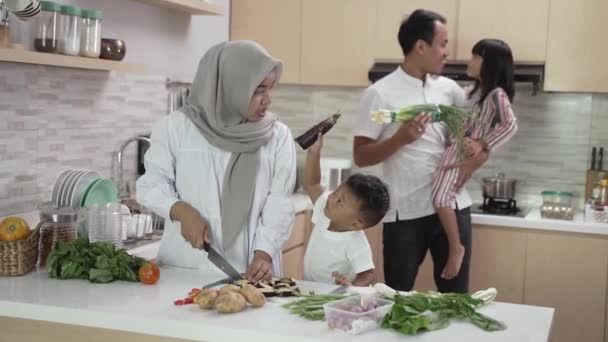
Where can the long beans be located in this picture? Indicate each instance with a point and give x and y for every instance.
(311, 307)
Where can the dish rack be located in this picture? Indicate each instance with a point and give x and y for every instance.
(141, 223)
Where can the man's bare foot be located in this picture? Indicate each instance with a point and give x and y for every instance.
(452, 267)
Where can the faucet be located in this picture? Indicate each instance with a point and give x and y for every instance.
(121, 191)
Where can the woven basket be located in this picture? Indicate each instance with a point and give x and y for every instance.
(19, 257)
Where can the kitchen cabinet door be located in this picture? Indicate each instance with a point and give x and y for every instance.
(498, 260)
(337, 41)
(521, 23)
(390, 14)
(276, 25)
(568, 272)
(374, 236)
(293, 262)
(299, 232)
(576, 51)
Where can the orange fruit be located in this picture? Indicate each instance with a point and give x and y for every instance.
(13, 229)
(149, 273)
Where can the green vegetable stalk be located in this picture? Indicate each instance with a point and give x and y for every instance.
(453, 117)
(311, 307)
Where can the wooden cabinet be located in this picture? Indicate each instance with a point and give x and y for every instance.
(568, 272)
(499, 260)
(521, 23)
(295, 247)
(374, 236)
(276, 25)
(390, 14)
(337, 41)
(576, 52)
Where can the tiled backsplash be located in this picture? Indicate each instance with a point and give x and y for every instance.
(551, 149)
(56, 118)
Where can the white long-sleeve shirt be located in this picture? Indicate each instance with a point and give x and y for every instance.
(182, 165)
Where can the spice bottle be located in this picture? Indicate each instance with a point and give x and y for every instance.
(310, 136)
(46, 37)
(90, 35)
(69, 43)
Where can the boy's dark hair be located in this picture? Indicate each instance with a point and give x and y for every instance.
(373, 197)
(418, 25)
(496, 68)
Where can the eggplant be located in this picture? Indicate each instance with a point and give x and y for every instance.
(306, 139)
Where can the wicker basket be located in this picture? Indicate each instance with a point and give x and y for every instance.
(19, 257)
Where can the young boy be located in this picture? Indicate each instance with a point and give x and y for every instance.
(338, 250)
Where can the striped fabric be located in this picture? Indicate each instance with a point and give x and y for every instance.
(496, 124)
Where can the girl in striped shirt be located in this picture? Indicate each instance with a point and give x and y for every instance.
(491, 66)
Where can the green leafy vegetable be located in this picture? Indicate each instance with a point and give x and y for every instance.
(99, 262)
(419, 312)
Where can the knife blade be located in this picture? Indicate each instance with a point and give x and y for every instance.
(218, 260)
(339, 290)
(216, 283)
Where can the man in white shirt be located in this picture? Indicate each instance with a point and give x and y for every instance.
(410, 154)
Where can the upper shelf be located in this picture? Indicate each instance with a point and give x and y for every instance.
(197, 7)
(31, 57)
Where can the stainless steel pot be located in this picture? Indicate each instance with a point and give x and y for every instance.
(498, 187)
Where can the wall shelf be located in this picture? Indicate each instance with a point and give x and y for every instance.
(31, 57)
(194, 7)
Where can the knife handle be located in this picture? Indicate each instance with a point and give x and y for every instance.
(206, 246)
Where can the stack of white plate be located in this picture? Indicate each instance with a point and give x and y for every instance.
(70, 187)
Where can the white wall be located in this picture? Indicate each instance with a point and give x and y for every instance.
(170, 43)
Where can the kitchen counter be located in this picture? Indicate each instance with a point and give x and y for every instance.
(533, 220)
(144, 309)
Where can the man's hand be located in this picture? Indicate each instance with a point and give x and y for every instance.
(260, 267)
(468, 168)
(413, 129)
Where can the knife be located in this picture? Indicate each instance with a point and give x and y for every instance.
(339, 290)
(218, 260)
(593, 153)
(216, 283)
(601, 159)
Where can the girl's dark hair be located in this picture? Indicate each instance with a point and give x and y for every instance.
(496, 68)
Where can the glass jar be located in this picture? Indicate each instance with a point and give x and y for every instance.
(558, 205)
(90, 34)
(69, 42)
(46, 37)
(56, 224)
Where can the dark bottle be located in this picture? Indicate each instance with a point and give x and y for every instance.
(310, 136)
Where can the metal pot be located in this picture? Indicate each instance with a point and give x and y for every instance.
(498, 187)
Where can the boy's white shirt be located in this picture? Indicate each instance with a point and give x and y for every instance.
(348, 253)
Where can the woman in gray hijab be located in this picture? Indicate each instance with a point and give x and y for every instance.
(222, 168)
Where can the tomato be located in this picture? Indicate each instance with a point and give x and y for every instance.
(13, 229)
(149, 273)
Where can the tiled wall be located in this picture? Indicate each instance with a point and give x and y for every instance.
(551, 150)
(56, 118)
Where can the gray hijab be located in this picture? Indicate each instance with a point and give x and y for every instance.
(225, 81)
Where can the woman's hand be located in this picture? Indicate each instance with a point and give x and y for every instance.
(473, 147)
(260, 267)
(194, 227)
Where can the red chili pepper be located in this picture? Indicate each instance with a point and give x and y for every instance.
(195, 291)
(188, 301)
(179, 302)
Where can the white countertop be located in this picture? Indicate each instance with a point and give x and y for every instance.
(149, 309)
(533, 220)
